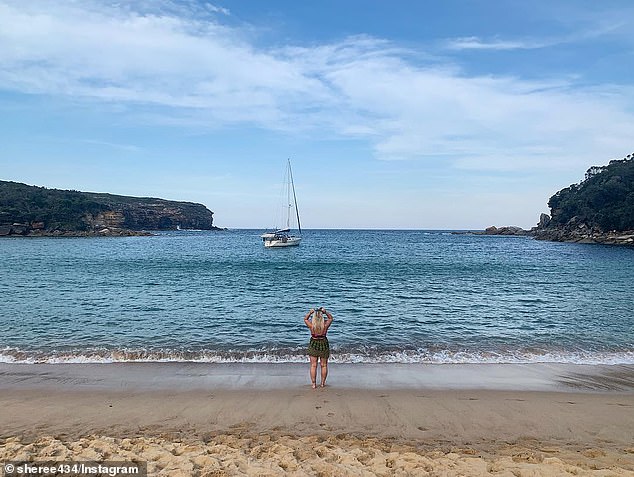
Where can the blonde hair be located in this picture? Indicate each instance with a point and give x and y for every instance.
(318, 323)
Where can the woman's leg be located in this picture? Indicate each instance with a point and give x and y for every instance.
(313, 371)
(324, 370)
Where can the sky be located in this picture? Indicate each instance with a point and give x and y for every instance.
(395, 115)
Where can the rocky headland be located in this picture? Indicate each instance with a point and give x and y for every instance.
(580, 232)
(599, 209)
(36, 211)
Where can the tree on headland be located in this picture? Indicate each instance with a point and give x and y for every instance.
(58, 209)
(604, 200)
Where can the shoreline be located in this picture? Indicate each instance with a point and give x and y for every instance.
(551, 377)
(207, 419)
(104, 232)
(143, 376)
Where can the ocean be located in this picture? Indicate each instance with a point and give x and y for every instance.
(397, 296)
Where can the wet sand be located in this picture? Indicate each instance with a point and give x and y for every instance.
(206, 419)
(154, 376)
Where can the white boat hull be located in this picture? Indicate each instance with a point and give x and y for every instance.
(282, 242)
(282, 236)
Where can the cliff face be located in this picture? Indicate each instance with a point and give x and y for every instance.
(149, 214)
(29, 210)
(600, 209)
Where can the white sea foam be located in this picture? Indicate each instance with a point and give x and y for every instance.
(297, 356)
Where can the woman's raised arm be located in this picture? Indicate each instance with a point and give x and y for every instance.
(308, 316)
(329, 316)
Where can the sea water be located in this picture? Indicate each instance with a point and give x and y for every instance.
(396, 296)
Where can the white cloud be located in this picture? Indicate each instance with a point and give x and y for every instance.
(601, 26)
(475, 43)
(180, 57)
(125, 56)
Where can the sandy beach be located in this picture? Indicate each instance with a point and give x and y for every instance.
(209, 419)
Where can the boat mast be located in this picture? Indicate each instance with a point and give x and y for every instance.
(290, 172)
(288, 196)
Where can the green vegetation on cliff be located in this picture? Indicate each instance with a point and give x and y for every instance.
(57, 209)
(38, 208)
(604, 200)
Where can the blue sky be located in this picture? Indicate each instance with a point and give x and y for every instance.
(409, 114)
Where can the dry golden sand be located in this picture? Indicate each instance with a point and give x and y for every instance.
(279, 454)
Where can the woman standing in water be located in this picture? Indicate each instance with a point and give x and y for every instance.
(318, 347)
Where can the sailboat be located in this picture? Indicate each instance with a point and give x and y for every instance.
(283, 237)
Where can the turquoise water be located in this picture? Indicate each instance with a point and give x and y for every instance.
(397, 296)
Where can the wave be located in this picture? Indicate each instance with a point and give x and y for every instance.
(297, 355)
